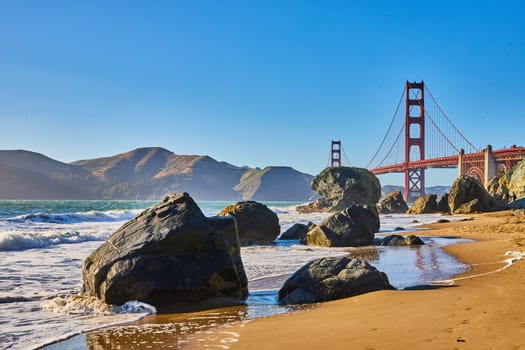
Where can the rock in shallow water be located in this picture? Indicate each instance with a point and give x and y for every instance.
(398, 240)
(352, 227)
(332, 278)
(256, 223)
(169, 253)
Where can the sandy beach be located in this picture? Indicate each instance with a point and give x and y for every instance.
(483, 308)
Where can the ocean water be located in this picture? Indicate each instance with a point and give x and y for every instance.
(43, 244)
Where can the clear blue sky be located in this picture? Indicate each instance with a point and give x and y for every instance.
(253, 82)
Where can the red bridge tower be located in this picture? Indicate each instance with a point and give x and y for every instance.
(414, 139)
(335, 153)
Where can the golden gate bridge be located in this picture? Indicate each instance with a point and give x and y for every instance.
(427, 139)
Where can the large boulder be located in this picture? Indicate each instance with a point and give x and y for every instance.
(341, 187)
(426, 204)
(467, 196)
(352, 227)
(169, 253)
(332, 278)
(509, 186)
(257, 224)
(393, 203)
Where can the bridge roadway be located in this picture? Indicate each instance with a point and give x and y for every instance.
(505, 156)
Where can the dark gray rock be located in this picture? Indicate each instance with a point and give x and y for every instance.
(393, 203)
(169, 253)
(297, 231)
(354, 226)
(467, 196)
(426, 204)
(341, 187)
(332, 278)
(399, 241)
(256, 223)
(442, 204)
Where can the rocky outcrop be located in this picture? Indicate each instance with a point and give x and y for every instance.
(393, 203)
(256, 223)
(332, 278)
(354, 226)
(424, 205)
(467, 196)
(509, 186)
(399, 241)
(169, 253)
(297, 231)
(341, 187)
(442, 204)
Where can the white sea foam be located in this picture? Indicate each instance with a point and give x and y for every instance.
(18, 234)
(513, 256)
(71, 218)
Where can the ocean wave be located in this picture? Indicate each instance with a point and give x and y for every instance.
(72, 218)
(15, 240)
(81, 305)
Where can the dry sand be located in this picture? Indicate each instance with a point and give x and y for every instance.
(483, 309)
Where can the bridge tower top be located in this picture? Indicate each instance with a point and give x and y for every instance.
(414, 139)
(335, 153)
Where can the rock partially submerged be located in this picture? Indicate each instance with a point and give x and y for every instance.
(468, 196)
(341, 187)
(426, 204)
(297, 231)
(399, 241)
(332, 278)
(257, 224)
(169, 253)
(393, 203)
(352, 227)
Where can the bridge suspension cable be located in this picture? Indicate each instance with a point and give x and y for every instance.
(460, 138)
(388, 131)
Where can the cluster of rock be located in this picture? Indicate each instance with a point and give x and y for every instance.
(169, 253)
(466, 196)
(173, 253)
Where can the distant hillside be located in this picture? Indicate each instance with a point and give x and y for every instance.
(29, 175)
(277, 183)
(145, 173)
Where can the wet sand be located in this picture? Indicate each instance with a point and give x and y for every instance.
(483, 308)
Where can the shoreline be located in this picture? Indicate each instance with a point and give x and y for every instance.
(481, 309)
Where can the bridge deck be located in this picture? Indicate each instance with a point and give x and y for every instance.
(502, 155)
